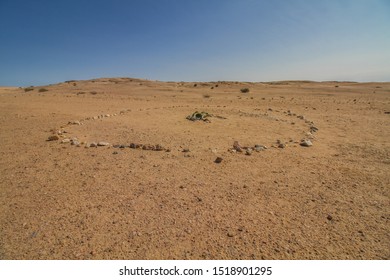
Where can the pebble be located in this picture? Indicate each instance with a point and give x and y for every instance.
(93, 144)
(282, 146)
(259, 148)
(101, 143)
(158, 148)
(329, 217)
(237, 146)
(53, 138)
(185, 150)
(75, 122)
(248, 151)
(75, 142)
(306, 143)
(66, 140)
(218, 160)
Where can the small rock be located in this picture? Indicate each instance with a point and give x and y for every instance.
(259, 148)
(218, 160)
(313, 129)
(248, 151)
(281, 146)
(185, 150)
(102, 143)
(66, 140)
(306, 143)
(132, 145)
(329, 217)
(230, 234)
(122, 146)
(115, 153)
(75, 143)
(75, 123)
(93, 144)
(116, 146)
(53, 138)
(158, 148)
(237, 146)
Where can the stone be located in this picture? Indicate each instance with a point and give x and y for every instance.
(102, 143)
(93, 144)
(313, 129)
(218, 160)
(74, 122)
(66, 140)
(281, 146)
(158, 147)
(248, 151)
(122, 146)
(53, 138)
(132, 145)
(237, 146)
(185, 150)
(329, 218)
(306, 143)
(116, 146)
(75, 143)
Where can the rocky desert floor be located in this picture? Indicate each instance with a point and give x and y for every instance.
(127, 176)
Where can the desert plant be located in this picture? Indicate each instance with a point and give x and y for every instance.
(42, 90)
(93, 92)
(244, 90)
(28, 89)
(206, 95)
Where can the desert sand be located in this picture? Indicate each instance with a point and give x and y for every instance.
(168, 198)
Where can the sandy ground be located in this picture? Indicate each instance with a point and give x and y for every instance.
(327, 201)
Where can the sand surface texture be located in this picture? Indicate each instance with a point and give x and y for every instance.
(166, 197)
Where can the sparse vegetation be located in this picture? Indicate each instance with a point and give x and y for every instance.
(28, 89)
(195, 85)
(42, 90)
(244, 90)
(93, 92)
(206, 95)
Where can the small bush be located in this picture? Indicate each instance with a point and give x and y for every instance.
(42, 90)
(244, 90)
(206, 95)
(195, 85)
(93, 92)
(28, 89)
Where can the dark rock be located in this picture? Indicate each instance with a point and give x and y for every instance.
(218, 160)
(53, 138)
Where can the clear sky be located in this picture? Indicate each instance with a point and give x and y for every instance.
(50, 41)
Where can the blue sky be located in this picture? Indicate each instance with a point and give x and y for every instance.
(49, 41)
